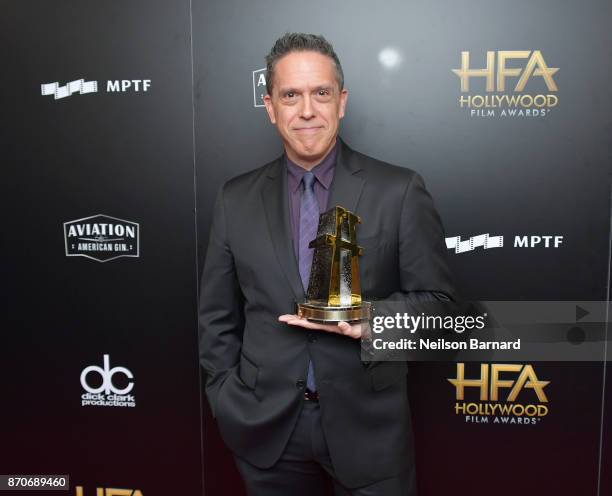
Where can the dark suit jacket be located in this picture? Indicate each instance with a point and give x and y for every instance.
(256, 366)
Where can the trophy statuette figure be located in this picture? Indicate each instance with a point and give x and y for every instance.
(334, 289)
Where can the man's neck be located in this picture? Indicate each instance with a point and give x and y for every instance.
(310, 164)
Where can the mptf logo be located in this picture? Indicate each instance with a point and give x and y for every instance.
(101, 238)
(79, 86)
(494, 407)
(105, 392)
(110, 491)
(486, 242)
(259, 87)
(82, 87)
(495, 75)
(474, 242)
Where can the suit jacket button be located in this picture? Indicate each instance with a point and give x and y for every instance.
(300, 384)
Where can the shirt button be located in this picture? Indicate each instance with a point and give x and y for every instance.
(312, 337)
(300, 384)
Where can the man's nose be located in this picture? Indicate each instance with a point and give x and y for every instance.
(307, 110)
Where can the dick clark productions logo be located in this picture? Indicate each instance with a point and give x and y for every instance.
(103, 388)
(101, 238)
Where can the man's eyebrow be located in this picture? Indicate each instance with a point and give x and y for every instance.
(288, 89)
(291, 89)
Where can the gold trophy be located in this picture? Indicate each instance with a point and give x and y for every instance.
(334, 289)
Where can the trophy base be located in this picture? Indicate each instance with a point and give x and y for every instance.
(333, 315)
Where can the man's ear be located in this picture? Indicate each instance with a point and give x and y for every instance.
(270, 108)
(343, 99)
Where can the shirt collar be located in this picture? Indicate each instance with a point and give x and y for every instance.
(323, 171)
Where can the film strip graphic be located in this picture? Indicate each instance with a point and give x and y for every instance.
(79, 86)
(482, 240)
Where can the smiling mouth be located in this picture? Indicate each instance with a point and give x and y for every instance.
(308, 129)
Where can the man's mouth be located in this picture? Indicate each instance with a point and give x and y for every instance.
(307, 130)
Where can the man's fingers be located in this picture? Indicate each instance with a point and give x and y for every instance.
(353, 331)
(287, 317)
(345, 328)
(306, 324)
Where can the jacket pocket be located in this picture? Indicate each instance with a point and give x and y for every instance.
(387, 373)
(248, 372)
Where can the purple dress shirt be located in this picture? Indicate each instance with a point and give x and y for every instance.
(324, 174)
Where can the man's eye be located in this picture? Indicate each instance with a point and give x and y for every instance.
(289, 94)
(323, 92)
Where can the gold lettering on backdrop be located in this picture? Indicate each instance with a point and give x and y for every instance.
(536, 66)
(490, 382)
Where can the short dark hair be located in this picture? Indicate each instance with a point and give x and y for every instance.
(300, 42)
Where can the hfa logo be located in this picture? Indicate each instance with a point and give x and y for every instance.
(101, 238)
(102, 386)
(496, 74)
(498, 396)
(110, 491)
(259, 87)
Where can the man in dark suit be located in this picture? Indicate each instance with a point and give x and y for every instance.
(294, 400)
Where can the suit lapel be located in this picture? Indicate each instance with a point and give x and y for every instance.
(347, 185)
(345, 191)
(276, 205)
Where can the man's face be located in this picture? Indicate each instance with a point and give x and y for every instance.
(306, 105)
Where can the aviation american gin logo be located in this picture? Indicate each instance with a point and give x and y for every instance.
(101, 238)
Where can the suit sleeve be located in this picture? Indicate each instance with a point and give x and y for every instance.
(425, 280)
(221, 315)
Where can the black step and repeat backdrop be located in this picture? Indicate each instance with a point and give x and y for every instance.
(122, 119)
(99, 344)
